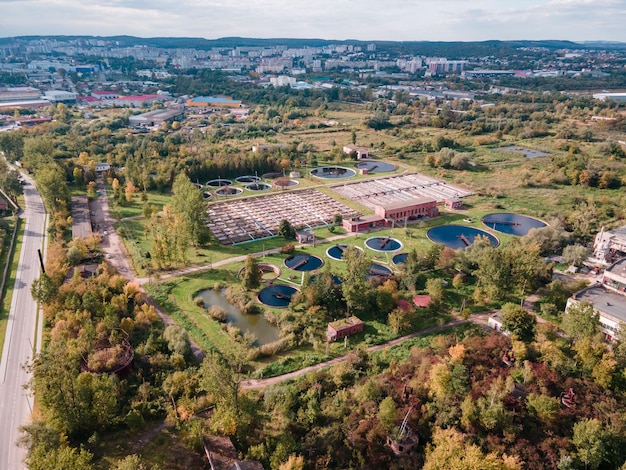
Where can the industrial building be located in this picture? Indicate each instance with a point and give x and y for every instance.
(24, 93)
(608, 298)
(60, 96)
(610, 245)
(157, 117)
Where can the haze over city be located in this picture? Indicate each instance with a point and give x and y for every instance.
(398, 20)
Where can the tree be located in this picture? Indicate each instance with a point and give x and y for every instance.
(189, 208)
(588, 438)
(221, 377)
(434, 287)
(134, 462)
(286, 230)
(44, 289)
(387, 414)
(251, 274)
(581, 321)
(357, 290)
(12, 144)
(575, 254)
(177, 340)
(10, 181)
(449, 450)
(518, 322)
(74, 256)
(295, 462)
(52, 186)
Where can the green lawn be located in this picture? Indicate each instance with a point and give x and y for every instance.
(13, 258)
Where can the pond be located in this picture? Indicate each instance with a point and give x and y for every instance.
(264, 331)
(458, 236)
(513, 224)
(528, 153)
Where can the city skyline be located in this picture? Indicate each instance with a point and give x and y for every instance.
(394, 20)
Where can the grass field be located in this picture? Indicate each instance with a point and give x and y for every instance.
(12, 258)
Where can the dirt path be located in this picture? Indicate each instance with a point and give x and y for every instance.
(260, 383)
(147, 437)
(116, 255)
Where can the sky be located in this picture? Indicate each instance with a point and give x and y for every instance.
(393, 20)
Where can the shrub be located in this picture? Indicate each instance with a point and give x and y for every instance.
(218, 313)
(199, 301)
(288, 249)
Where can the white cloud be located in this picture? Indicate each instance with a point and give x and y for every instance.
(443, 20)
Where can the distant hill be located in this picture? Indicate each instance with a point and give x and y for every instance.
(457, 49)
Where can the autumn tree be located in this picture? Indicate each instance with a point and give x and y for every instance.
(451, 450)
(356, 287)
(12, 144)
(581, 321)
(589, 440)
(518, 322)
(10, 181)
(190, 209)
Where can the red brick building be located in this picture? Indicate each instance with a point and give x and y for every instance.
(363, 223)
(413, 208)
(344, 327)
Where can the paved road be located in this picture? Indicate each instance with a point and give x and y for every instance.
(16, 402)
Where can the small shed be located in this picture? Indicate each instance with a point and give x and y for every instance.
(361, 152)
(344, 327)
(495, 323)
(305, 236)
(454, 203)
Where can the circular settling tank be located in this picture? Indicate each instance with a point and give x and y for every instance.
(336, 252)
(286, 183)
(229, 191)
(378, 270)
(303, 262)
(513, 224)
(219, 182)
(458, 236)
(247, 179)
(400, 258)
(373, 166)
(383, 244)
(277, 295)
(268, 271)
(333, 172)
(258, 186)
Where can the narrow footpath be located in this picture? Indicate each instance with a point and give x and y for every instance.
(261, 383)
